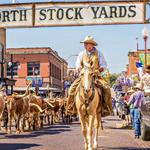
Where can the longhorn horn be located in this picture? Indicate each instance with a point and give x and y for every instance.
(52, 101)
(2, 89)
(49, 104)
(23, 95)
(37, 106)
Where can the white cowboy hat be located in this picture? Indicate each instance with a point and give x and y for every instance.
(138, 86)
(131, 91)
(2, 88)
(89, 39)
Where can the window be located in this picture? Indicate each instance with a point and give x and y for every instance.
(31, 67)
(55, 72)
(15, 69)
(50, 69)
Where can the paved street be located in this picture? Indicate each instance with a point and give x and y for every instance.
(64, 137)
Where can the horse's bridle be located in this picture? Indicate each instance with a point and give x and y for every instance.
(86, 100)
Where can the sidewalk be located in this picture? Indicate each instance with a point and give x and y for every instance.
(115, 137)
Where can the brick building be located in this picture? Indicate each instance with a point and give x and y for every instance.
(3, 80)
(41, 65)
(133, 57)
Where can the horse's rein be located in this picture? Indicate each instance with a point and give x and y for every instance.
(86, 100)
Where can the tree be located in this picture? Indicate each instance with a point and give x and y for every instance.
(113, 78)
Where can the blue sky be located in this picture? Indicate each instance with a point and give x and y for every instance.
(114, 40)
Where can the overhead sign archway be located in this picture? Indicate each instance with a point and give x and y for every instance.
(71, 14)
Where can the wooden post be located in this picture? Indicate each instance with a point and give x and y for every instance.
(145, 21)
(3, 42)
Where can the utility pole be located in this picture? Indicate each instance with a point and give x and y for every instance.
(12, 68)
(2, 53)
(2, 62)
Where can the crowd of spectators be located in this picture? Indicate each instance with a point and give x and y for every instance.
(129, 97)
(67, 81)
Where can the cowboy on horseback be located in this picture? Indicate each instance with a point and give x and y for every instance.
(91, 54)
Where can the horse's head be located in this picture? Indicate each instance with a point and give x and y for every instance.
(87, 77)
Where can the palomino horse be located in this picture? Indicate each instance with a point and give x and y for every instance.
(88, 107)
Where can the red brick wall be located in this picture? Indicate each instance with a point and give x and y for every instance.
(44, 56)
(22, 71)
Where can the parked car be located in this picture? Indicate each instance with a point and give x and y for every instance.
(145, 125)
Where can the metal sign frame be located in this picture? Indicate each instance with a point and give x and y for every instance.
(34, 5)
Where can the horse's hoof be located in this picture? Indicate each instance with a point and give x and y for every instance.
(22, 131)
(3, 129)
(86, 147)
(95, 146)
(9, 131)
(17, 132)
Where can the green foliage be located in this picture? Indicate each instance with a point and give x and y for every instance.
(113, 78)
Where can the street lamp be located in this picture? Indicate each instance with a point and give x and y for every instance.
(137, 44)
(13, 1)
(71, 56)
(36, 71)
(11, 66)
(145, 37)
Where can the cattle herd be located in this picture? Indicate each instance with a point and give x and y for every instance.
(29, 111)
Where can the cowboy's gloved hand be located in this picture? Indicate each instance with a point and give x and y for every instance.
(101, 69)
(96, 82)
(78, 70)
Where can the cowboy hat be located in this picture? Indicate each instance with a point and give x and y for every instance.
(2, 88)
(131, 91)
(147, 68)
(138, 86)
(89, 39)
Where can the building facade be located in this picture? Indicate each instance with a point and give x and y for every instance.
(72, 74)
(135, 56)
(43, 66)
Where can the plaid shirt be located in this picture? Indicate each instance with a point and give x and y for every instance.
(137, 99)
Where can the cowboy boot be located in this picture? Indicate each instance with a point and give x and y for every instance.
(106, 96)
(107, 99)
(70, 103)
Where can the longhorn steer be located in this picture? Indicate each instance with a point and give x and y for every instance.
(2, 104)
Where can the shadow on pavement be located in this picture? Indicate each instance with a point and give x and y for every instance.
(112, 119)
(2, 133)
(76, 123)
(123, 127)
(16, 146)
(59, 126)
(50, 130)
(123, 148)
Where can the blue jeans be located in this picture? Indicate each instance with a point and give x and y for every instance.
(137, 123)
(132, 117)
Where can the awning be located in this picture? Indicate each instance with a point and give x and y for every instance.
(40, 89)
(8, 82)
